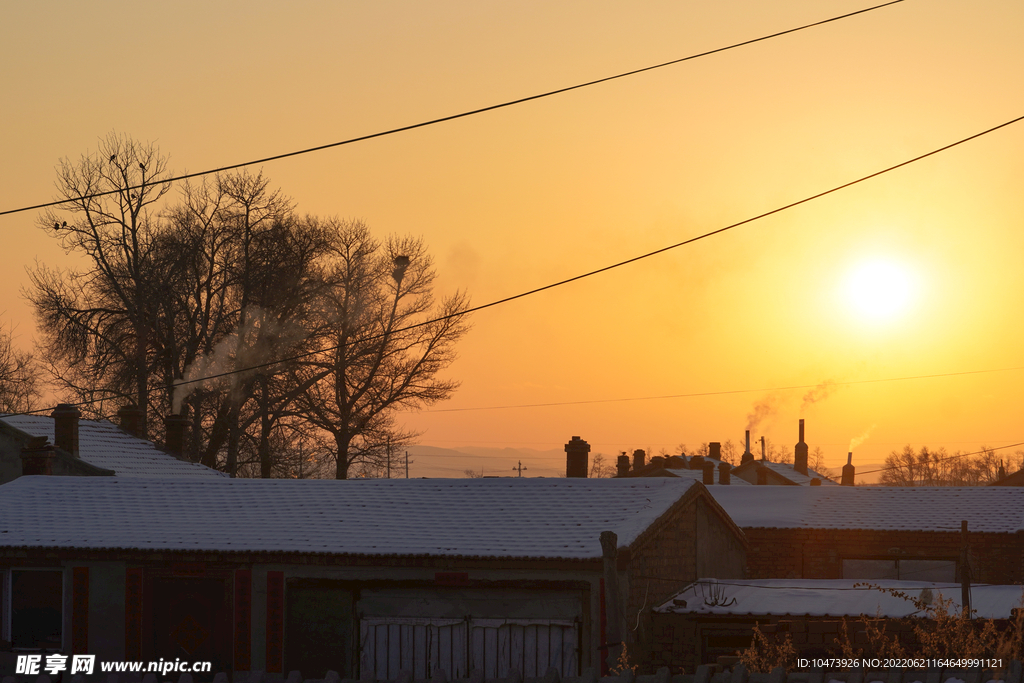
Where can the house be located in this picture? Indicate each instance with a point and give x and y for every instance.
(696, 467)
(880, 532)
(365, 577)
(712, 618)
(749, 471)
(89, 448)
(796, 473)
(1013, 479)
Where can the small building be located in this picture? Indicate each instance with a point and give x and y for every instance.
(797, 473)
(365, 577)
(708, 470)
(88, 448)
(880, 532)
(713, 618)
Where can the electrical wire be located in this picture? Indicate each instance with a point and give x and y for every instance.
(713, 393)
(591, 273)
(451, 117)
(951, 457)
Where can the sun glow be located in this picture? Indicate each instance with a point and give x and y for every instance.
(880, 290)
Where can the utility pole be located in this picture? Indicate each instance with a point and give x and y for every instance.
(965, 571)
(520, 468)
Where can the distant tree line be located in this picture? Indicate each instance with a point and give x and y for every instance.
(189, 306)
(937, 467)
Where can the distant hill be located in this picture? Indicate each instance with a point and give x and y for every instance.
(437, 462)
(433, 461)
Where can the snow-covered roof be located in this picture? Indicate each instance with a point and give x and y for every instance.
(833, 598)
(986, 508)
(537, 518)
(697, 475)
(789, 472)
(104, 444)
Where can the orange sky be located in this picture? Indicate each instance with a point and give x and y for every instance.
(515, 199)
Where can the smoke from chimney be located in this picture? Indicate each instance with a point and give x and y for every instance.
(858, 440)
(818, 394)
(762, 410)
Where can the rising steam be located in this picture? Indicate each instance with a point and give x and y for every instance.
(762, 410)
(858, 440)
(253, 343)
(818, 394)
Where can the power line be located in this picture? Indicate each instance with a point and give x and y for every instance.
(591, 273)
(951, 457)
(451, 117)
(714, 393)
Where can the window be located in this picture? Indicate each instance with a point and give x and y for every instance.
(36, 599)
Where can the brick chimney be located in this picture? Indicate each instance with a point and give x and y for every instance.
(658, 460)
(800, 453)
(622, 465)
(37, 457)
(715, 450)
(639, 459)
(65, 427)
(747, 455)
(132, 420)
(175, 429)
(697, 463)
(576, 458)
(709, 473)
(724, 473)
(848, 471)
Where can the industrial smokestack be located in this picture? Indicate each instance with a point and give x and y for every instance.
(763, 458)
(747, 455)
(848, 471)
(576, 458)
(800, 453)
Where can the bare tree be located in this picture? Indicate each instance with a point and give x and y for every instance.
(19, 376)
(247, 281)
(600, 468)
(380, 352)
(937, 467)
(96, 323)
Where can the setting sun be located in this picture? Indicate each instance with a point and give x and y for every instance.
(880, 290)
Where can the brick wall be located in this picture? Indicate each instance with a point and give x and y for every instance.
(692, 540)
(819, 553)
